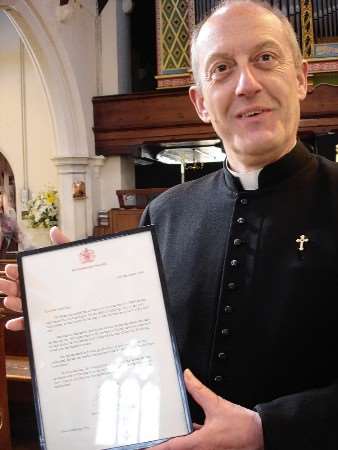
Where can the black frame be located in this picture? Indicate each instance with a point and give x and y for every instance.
(36, 395)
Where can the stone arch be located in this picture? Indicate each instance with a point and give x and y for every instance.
(57, 76)
(74, 141)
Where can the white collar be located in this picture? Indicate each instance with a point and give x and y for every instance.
(249, 180)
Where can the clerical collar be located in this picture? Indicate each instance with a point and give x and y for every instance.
(276, 172)
(249, 180)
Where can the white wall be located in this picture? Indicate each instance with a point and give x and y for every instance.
(74, 41)
(40, 133)
(117, 173)
(25, 123)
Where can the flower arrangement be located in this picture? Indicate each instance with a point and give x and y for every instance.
(43, 209)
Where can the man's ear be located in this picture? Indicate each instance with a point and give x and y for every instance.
(302, 80)
(197, 100)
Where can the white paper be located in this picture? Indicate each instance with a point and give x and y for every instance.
(103, 356)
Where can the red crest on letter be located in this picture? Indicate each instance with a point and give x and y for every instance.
(87, 256)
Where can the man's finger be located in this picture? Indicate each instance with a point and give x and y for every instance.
(57, 237)
(15, 324)
(11, 271)
(207, 399)
(13, 303)
(188, 442)
(8, 287)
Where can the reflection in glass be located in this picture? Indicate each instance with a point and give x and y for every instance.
(107, 406)
(150, 412)
(128, 412)
(129, 399)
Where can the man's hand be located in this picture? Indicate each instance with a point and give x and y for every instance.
(11, 287)
(227, 426)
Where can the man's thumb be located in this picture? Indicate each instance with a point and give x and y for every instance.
(57, 237)
(201, 394)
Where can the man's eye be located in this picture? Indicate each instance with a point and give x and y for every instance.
(221, 68)
(266, 57)
(219, 71)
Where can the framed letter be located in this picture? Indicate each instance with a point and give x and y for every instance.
(105, 368)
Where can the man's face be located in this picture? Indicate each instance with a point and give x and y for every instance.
(249, 85)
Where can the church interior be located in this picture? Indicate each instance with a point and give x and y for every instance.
(96, 121)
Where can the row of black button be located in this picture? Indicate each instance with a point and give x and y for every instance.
(226, 332)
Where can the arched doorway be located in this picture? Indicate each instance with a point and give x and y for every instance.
(7, 186)
(9, 235)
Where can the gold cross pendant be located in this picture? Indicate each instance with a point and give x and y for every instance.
(301, 241)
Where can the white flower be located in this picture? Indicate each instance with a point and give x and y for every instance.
(43, 209)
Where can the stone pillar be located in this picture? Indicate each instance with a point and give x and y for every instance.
(97, 186)
(73, 218)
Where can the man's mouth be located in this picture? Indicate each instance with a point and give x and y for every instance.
(252, 113)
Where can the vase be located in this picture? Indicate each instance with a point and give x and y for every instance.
(39, 237)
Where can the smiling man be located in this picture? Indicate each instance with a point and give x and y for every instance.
(250, 79)
(250, 252)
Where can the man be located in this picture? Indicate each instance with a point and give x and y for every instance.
(250, 252)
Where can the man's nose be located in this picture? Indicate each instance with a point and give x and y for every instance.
(247, 83)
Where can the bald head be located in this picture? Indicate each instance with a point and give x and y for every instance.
(222, 7)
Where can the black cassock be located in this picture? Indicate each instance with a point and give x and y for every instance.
(256, 317)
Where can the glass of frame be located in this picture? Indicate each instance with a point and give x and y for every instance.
(105, 368)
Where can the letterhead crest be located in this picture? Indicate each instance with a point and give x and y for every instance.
(87, 256)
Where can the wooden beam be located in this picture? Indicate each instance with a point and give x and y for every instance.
(122, 123)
